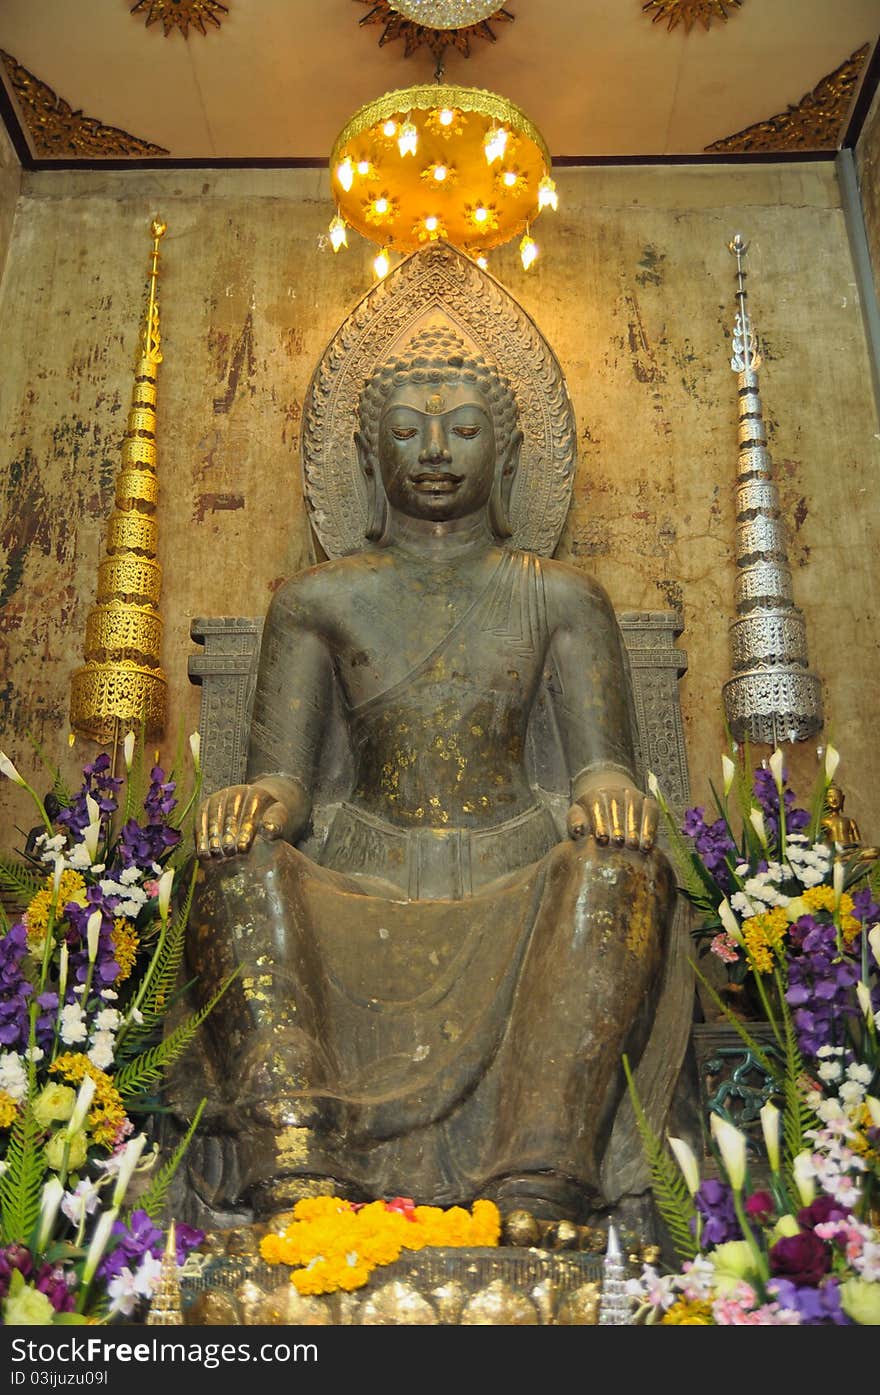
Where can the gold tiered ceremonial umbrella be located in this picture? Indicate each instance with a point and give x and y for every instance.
(122, 681)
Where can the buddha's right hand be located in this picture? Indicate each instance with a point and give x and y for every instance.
(229, 820)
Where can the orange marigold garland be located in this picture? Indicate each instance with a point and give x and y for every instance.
(337, 1244)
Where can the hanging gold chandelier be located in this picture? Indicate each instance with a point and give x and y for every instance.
(440, 162)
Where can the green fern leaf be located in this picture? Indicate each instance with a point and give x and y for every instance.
(153, 1199)
(19, 880)
(163, 982)
(136, 1078)
(671, 1195)
(21, 1185)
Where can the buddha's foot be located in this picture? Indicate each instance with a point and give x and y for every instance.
(545, 1195)
(274, 1200)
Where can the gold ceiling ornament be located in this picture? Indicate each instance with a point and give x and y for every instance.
(440, 162)
(690, 12)
(121, 680)
(817, 122)
(180, 14)
(58, 132)
(417, 34)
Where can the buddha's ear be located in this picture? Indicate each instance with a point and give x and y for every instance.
(376, 497)
(510, 464)
(363, 454)
(499, 499)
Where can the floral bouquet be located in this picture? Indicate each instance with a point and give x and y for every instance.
(88, 968)
(791, 912)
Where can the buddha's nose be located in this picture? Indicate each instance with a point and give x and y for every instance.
(435, 450)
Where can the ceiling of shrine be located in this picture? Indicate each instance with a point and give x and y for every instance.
(274, 80)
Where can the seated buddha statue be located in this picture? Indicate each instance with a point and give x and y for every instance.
(433, 996)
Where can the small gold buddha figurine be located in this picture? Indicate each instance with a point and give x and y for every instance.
(837, 827)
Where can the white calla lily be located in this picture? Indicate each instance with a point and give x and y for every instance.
(728, 773)
(731, 1143)
(804, 1177)
(832, 761)
(756, 819)
(776, 767)
(770, 1120)
(9, 770)
(729, 921)
(166, 882)
(686, 1159)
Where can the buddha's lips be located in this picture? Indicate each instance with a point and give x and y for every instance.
(444, 483)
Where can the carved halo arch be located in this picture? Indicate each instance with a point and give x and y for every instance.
(438, 284)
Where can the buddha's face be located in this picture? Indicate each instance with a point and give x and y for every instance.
(437, 450)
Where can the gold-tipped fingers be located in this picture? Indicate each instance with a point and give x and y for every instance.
(599, 816)
(633, 819)
(248, 818)
(234, 800)
(616, 816)
(650, 816)
(202, 843)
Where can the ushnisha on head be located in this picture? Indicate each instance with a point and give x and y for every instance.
(437, 372)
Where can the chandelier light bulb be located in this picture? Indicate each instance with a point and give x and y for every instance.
(446, 117)
(408, 139)
(528, 251)
(480, 214)
(483, 263)
(509, 178)
(338, 233)
(381, 264)
(380, 205)
(440, 173)
(345, 174)
(547, 195)
(363, 167)
(432, 223)
(495, 144)
(389, 129)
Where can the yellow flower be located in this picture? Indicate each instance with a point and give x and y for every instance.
(71, 887)
(685, 1313)
(26, 1306)
(58, 1145)
(763, 935)
(54, 1104)
(124, 939)
(820, 898)
(107, 1114)
(8, 1110)
(860, 1300)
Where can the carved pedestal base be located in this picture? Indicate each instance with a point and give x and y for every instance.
(504, 1287)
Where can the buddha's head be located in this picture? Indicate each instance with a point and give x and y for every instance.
(438, 437)
(834, 799)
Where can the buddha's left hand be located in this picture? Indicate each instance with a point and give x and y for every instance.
(615, 812)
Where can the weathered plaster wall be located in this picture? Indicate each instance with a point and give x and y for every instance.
(868, 174)
(634, 292)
